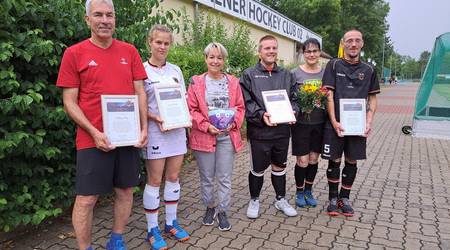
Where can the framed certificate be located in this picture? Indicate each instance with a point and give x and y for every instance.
(352, 114)
(172, 106)
(121, 122)
(278, 106)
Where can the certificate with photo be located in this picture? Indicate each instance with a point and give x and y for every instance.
(352, 114)
(121, 123)
(173, 110)
(278, 106)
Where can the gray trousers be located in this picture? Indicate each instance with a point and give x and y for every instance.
(216, 165)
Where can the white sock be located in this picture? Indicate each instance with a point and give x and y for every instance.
(171, 197)
(151, 206)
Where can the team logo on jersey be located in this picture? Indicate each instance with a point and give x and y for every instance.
(361, 76)
(92, 63)
(123, 61)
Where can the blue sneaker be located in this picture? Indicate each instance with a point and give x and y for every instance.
(176, 231)
(310, 201)
(115, 244)
(156, 240)
(300, 199)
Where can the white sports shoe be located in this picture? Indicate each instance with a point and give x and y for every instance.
(253, 209)
(284, 206)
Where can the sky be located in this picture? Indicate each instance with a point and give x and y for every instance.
(415, 24)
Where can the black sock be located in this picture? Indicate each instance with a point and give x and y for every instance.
(333, 174)
(311, 172)
(255, 185)
(348, 177)
(299, 174)
(279, 183)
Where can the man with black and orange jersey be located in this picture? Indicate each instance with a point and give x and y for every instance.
(346, 77)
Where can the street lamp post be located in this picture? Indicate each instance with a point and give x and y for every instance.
(382, 60)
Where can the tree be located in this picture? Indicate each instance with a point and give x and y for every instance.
(321, 17)
(423, 61)
(135, 18)
(332, 18)
(410, 68)
(368, 16)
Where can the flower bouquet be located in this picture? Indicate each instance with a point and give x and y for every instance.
(311, 96)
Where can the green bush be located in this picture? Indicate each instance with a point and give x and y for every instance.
(205, 29)
(135, 18)
(36, 137)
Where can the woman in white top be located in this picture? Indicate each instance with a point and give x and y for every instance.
(166, 148)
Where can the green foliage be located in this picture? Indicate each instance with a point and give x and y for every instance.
(369, 16)
(190, 61)
(322, 17)
(36, 137)
(332, 18)
(205, 29)
(135, 18)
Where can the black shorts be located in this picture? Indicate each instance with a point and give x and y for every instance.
(353, 147)
(266, 152)
(97, 172)
(306, 138)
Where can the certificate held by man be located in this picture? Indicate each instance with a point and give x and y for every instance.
(121, 123)
(278, 106)
(171, 100)
(352, 114)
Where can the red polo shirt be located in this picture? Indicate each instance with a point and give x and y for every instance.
(97, 71)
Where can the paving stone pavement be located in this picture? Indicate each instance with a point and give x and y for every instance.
(401, 198)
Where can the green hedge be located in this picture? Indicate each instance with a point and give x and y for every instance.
(36, 137)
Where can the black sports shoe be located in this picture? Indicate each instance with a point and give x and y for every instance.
(332, 208)
(346, 209)
(224, 225)
(208, 218)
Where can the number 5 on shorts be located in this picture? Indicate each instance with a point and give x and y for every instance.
(326, 148)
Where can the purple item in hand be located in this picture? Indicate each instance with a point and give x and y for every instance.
(221, 118)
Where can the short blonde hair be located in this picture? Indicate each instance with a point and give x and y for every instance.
(218, 46)
(266, 38)
(159, 28)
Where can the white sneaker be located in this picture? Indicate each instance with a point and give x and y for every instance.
(284, 206)
(253, 209)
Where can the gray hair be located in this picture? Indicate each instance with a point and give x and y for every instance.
(89, 3)
(218, 46)
(159, 28)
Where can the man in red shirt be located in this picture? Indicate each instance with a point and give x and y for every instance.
(99, 66)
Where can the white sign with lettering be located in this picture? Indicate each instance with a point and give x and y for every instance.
(262, 16)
